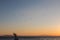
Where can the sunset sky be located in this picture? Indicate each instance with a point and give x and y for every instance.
(30, 17)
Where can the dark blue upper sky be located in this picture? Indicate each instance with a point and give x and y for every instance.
(7, 7)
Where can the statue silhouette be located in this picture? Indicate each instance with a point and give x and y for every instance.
(15, 36)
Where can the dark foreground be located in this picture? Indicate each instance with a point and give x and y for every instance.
(31, 38)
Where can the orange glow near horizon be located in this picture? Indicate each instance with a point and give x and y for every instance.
(33, 32)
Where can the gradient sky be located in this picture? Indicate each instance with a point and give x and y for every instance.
(30, 17)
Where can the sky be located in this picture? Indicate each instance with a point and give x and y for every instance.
(30, 17)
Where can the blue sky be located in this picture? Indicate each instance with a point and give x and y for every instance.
(28, 16)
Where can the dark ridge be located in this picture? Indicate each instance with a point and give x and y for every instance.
(31, 36)
(39, 36)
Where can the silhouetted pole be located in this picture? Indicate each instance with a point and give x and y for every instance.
(15, 36)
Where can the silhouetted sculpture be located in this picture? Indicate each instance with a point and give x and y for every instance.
(15, 36)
